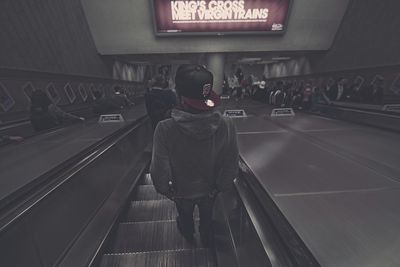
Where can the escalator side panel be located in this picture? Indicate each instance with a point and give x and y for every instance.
(47, 231)
(237, 241)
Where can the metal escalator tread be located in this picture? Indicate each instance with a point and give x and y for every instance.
(147, 180)
(175, 258)
(148, 192)
(149, 236)
(151, 210)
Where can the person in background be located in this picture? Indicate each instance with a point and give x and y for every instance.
(225, 86)
(231, 84)
(325, 88)
(44, 114)
(286, 93)
(239, 75)
(102, 105)
(253, 84)
(237, 89)
(298, 95)
(120, 99)
(8, 139)
(354, 92)
(307, 96)
(272, 91)
(377, 92)
(331, 90)
(316, 97)
(159, 101)
(341, 90)
(260, 93)
(279, 94)
(374, 92)
(195, 153)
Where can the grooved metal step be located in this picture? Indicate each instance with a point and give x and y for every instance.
(147, 192)
(151, 210)
(146, 180)
(149, 147)
(149, 236)
(178, 258)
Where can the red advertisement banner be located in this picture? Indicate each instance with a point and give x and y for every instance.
(220, 17)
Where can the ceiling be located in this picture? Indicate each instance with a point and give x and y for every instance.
(125, 27)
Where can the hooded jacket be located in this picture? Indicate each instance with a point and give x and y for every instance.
(197, 152)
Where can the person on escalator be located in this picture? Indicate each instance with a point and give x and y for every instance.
(104, 105)
(120, 98)
(44, 114)
(159, 100)
(195, 153)
(8, 139)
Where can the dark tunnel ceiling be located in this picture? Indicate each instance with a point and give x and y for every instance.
(126, 27)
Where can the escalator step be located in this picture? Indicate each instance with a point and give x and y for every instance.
(151, 210)
(146, 180)
(149, 148)
(149, 236)
(147, 192)
(178, 258)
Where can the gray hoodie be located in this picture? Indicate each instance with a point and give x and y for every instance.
(197, 152)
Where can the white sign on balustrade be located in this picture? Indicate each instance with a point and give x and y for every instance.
(110, 118)
(235, 113)
(282, 112)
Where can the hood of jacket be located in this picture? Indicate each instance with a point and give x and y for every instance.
(200, 126)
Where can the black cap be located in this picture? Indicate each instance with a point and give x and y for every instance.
(194, 83)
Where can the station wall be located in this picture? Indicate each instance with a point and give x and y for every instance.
(48, 35)
(368, 37)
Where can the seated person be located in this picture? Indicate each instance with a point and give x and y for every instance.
(159, 101)
(44, 114)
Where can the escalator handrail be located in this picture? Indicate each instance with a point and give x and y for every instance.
(21, 202)
(262, 218)
(277, 257)
(101, 247)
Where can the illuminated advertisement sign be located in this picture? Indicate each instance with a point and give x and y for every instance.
(209, 17)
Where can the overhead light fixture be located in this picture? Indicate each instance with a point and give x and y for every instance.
(180, 61)
(280, 58)
(249, 59)
(265, 62)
